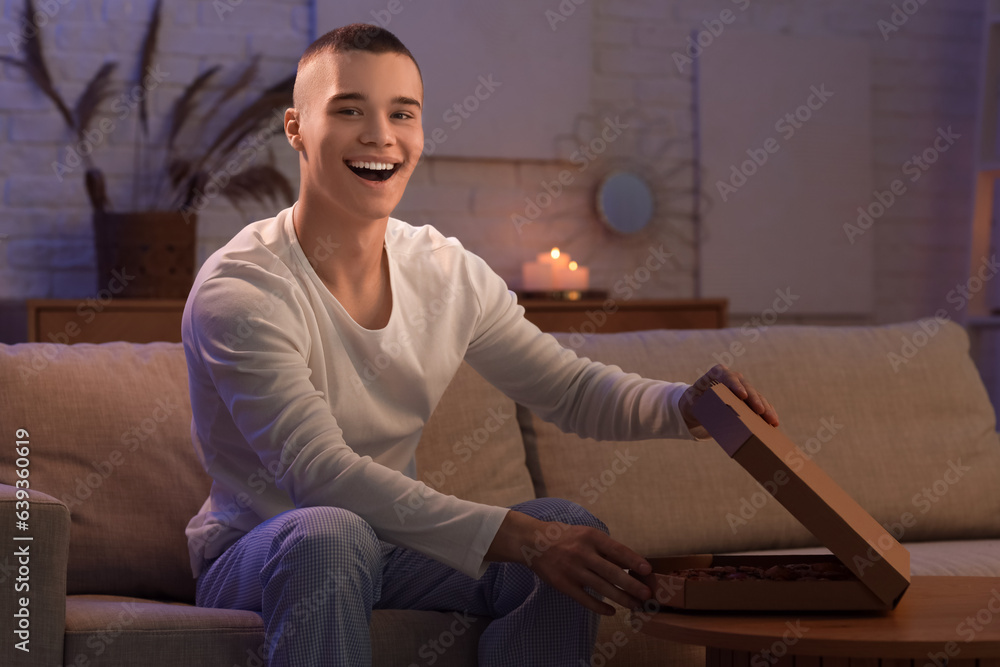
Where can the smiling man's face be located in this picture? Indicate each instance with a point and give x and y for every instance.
(356, 113)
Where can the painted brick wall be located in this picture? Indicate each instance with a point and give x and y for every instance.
(924, 78)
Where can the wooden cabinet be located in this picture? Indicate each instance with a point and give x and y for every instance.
(611, 316)
(146, 320)
(91, 321)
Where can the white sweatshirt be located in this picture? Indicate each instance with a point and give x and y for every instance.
(296, 405)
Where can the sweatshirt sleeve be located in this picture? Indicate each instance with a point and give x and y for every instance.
(576, 394)
(257, 362)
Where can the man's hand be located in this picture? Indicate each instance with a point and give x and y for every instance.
(572, 558)
(737, 384)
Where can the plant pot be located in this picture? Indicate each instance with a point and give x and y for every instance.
(146, 254)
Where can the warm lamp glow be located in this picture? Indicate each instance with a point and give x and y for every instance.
(554, 270)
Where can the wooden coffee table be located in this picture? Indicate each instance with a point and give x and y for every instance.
(939, 621)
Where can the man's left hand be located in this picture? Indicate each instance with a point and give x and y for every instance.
(737, 384)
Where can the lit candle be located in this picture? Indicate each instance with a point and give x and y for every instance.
(554, 270)
(536, 277)
(575, 277)
(560, 262)
(554, 258)
(541, 275)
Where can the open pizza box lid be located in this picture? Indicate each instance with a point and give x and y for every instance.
(880, 562)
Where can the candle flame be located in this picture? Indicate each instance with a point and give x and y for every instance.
(573, 266)
(555, 253)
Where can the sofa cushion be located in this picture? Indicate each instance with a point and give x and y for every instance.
(471, 446)
(116, 630)
(911, 437)
(118, 453)
(110, 434)
(112, 630)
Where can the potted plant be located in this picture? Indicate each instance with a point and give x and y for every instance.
(154, 238)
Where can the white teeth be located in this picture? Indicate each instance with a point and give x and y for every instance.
(370, 165)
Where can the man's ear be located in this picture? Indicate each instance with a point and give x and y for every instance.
(292, 129)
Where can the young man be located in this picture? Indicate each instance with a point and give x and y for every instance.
(310, 456)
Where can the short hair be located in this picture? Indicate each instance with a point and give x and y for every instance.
(355, 37)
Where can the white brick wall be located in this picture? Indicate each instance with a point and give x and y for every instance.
(925, 76)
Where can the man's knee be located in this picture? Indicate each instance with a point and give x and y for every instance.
(561, 510)
(330, 535)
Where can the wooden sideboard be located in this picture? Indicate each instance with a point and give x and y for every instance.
(146, 320)
(612, 316)
(91, 321)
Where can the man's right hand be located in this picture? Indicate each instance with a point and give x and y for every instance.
(578, 557)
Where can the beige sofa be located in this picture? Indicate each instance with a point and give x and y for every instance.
(114, 480)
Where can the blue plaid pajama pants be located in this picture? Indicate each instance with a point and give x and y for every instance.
(316, 573)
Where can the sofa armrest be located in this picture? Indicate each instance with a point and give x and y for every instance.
(33, 571)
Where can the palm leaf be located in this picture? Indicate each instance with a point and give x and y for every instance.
(250, 118)
(185, 104)
(93, 95)
(33, 54)
(195, 184)
(242, 81)
(97, 191)
(177, 169)
(252, 115)
(34, 65)
(146, 61)
(260, 183)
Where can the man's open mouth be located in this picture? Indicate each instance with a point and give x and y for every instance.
(372, 171)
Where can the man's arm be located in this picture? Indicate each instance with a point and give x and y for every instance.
(593, 400)
(258, 367)
(581, 557)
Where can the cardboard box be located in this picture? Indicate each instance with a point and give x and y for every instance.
(880, 564)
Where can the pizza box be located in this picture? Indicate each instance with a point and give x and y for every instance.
(878, 565)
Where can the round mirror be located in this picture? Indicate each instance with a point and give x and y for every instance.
(624, 202)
